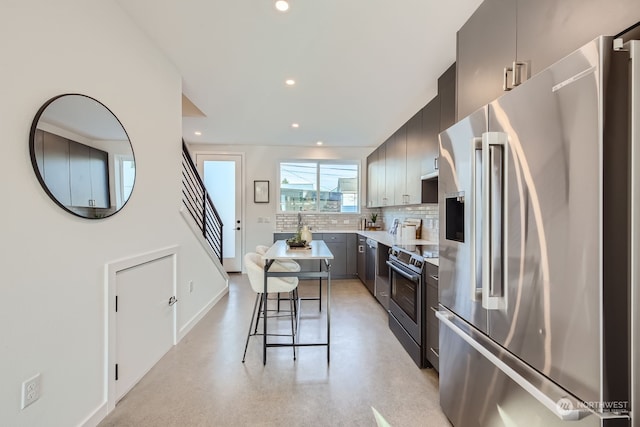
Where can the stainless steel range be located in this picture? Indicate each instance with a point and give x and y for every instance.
(408, 300)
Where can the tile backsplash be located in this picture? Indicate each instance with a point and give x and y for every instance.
(289, 221)
(428, 213)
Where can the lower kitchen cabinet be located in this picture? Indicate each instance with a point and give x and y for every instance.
(352, 254)
(337, 244)
(361, 243)
(433, 350)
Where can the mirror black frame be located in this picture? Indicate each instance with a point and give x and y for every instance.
(41, 179)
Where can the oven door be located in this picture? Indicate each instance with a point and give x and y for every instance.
(406, 296)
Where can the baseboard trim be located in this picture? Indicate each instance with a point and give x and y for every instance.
(99, 414)
(199, 315)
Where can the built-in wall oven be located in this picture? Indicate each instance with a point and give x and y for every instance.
(408, 301)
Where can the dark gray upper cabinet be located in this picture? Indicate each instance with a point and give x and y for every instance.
(396, 171)
(430, 130)
(376, 177)
(486, 45)
(489, 60)
(55, 165)
(89, 176)
(447, 95)
(549, 30)
(416, 148)
(395, 167)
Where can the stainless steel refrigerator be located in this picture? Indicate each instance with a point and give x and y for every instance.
(538, 195)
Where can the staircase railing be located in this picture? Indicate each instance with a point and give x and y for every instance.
(197, 201)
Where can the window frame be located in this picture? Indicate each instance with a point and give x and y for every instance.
(318, 163)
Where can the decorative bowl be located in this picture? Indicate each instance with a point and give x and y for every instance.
(296, 243)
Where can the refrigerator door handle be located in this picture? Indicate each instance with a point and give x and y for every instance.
(564, 407)
(493, 189)
(476, 220)
(633, 46)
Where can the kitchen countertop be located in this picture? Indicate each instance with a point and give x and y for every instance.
(389, 239)
(382, 237)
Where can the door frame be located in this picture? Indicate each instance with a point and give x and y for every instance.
(243, 204)
(110, 272)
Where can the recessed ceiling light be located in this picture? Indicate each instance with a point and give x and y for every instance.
(319, 143)
(282, 5)
(295, 125)
(290, 82)
(198, 133)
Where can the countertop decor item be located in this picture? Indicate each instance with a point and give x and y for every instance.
(296, 242)
(305, 234)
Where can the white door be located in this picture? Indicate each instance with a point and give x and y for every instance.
(222, 178)
(144, 320)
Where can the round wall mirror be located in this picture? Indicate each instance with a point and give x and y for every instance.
(82, 156)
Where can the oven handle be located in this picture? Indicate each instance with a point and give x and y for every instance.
(406, 275)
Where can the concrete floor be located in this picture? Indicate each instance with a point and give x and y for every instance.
(202, 381)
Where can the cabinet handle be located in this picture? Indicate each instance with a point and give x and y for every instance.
(505, 78)
(518, 74)
(434, 352)
(435, 163)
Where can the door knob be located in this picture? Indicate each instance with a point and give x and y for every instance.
(172, 301)
(237, 228)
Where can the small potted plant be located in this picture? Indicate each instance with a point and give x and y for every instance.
(374, 218)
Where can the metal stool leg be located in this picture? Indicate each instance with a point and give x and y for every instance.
(293, 331)
(255, 331)
(253, 315)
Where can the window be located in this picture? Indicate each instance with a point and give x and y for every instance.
(319, 186)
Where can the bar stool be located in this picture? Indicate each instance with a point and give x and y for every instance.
(255, 270)
(289, 265)
(285, 264)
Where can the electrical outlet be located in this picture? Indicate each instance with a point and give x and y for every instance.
(267, 219)
(190, 286)
(334, 221)
(260, 220)
(346, 221)
(31, 390)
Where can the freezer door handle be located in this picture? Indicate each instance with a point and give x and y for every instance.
(493, 245)
(634, 46)
(564, 407)
(476, 220)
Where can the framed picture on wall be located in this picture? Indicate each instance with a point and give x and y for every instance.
(260, 191)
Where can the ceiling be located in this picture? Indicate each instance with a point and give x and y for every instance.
(362, 67)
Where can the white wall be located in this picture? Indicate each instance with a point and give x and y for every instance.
(261, 163)
(52, 279)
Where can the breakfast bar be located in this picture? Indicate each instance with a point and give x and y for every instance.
(280, 251)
